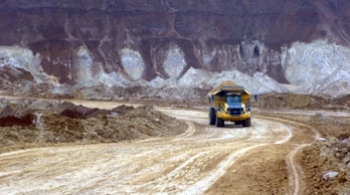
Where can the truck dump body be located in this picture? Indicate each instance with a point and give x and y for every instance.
(229, 102)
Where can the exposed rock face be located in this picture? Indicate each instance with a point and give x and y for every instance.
(259, 83)
(114, 42)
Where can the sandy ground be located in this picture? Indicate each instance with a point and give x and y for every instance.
(203, 160)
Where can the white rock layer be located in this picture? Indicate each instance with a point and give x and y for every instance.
(174, 62)
(133, 63)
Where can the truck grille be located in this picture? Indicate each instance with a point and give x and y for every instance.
(235, 111)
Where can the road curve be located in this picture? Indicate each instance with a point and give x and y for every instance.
(202, 160)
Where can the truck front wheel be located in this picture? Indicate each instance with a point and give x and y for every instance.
(212, 116)
(219, 122)
(246, 122)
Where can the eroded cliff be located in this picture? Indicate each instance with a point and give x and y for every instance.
(121, 41)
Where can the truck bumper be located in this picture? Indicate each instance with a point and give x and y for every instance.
(228, 117)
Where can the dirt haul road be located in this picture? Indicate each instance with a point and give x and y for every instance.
(202, 160)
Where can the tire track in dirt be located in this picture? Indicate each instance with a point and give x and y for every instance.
(295, 171)
(189, 132)
(295, 179)
(209, 177)
(287, 138)
(201, 186)
(191, 129)
(174, 173)
(165, 183)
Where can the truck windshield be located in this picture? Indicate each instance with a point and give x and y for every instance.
(233, 99)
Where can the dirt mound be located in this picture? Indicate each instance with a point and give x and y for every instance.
(23, 112)
(14, 75)
(328, 155)
(73, 111)
(10, 121)
(293, 101)
(302, 101)
(79, 124)
(122, 110)
(322, 158)
(78, 111)
(137, 123)
(15, 115)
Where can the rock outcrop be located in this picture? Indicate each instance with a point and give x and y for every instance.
(129, 43)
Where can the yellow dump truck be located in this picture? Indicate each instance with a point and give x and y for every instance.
(229, 102)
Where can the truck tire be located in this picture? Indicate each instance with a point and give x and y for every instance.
(219, 122)
(212, 116)
(246, 122)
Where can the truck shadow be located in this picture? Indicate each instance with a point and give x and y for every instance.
(231, 126)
